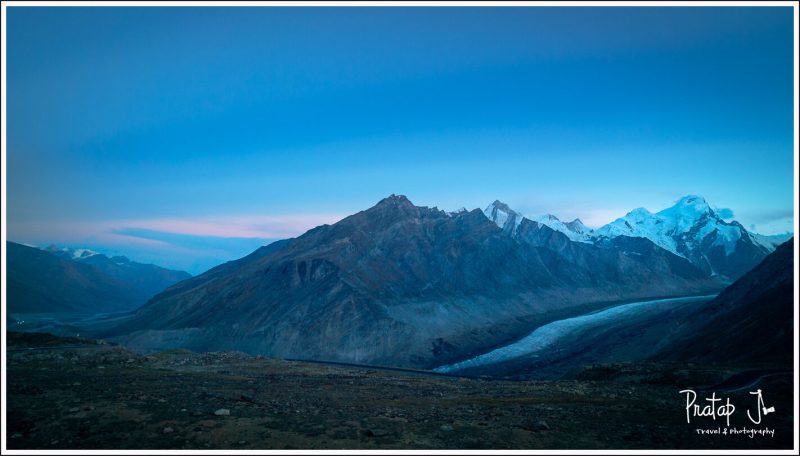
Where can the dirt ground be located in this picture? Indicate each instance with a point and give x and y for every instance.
(79, 394)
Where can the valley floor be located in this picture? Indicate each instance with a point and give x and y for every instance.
(72, 393)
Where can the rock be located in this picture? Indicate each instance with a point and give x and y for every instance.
(376, 432)
(446, 427)
(197, 413)
(540, 426)
(168, 430)
(245, 398)
(222, 412)
(74, 409)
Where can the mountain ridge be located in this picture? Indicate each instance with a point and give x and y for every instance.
(404, 285)
(690, 228)
(54, 280)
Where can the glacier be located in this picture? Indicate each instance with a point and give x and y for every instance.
(547, 337)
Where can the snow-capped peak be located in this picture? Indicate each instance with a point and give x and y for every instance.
(575, 230)
(503, 216)
(577, 226)
(687, 211)
(639, 212)
(509, 220)
(79, 254)
(692, 202)
(679, 228)
(74, 254)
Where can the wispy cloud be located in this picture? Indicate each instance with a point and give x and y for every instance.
(235, 226)
(725, 213)
(191, 243)
(768, 221)
(238, 226)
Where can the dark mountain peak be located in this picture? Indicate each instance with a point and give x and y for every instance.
(392, 207)
(501, 206)
(577, 226)
(475, 218)
(394, 201)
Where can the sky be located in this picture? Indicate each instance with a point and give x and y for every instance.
(191, 136)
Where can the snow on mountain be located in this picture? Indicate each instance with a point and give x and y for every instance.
(681, 227)
(78, 254)
(509, 220)
(73, 254)
(771, 241)
(503, 216)
(640, 223)
(690, 228)
(575, 230)
(577, 226)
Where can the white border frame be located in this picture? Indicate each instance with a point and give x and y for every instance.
(3, 224)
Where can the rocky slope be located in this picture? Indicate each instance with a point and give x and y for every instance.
(751, 321)
(402, 285)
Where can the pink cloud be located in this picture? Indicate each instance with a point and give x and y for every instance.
(235, 226)
(240, 226)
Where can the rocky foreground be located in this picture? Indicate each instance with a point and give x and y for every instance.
(73, 393)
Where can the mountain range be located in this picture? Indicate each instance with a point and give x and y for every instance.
(404, 285)
(62, 280)
(397, 284)
(690, 229)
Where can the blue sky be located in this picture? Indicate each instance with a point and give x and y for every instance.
(189, 136)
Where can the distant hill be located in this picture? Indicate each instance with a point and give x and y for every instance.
(80, 281)
(146, 280)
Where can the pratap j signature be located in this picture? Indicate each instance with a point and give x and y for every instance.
(716, 408)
